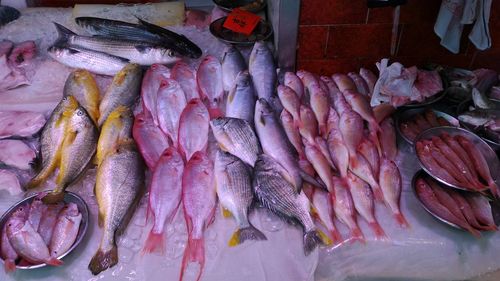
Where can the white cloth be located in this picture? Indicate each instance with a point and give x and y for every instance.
(452, 17)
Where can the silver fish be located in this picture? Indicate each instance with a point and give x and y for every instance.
(480, 117)
(232, 64)
(237, 137)
(234, 189)
(263, 70)
(241, 98)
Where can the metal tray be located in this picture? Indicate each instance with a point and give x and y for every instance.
(69, 197)
(253, 6)
(261, 33)
(409, 113)
(487, 151)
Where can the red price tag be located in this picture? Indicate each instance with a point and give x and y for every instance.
(241, 21)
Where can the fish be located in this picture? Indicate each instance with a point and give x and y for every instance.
(482, 210)
(344, 82)
(149, 88)
(262, 68)
(150, 139)
(425, 157)
(7, 253)
(391, 185)
(323, 208)
(9, 182)
(93, 61)
(360, 167)
(363, 202)
(36, 210)
(186, 77)
(292, 132)
(422, 123)
(170, 103)
(210, 84)
(232, 64)
(351, 128)
(446, 164)
(387, 139)
(479, 163)
(479, 117)
(241, 98)
(116, 128)
(339, 152)
(409, 130)
(278, 196)
(308, 125)
(274, 142)
(481, 101)
(118, 188)
(165, 195)
(361, 105)
(360, 84)
(138, 52)
(382, 111)
(323, 147)
(320, 164)
(65, 230)
(368, 150)
(237, 137)
(51, 140)
(124, 90)
(26, 241)
(344, 209)
(431, 202)
(309, 80)
(234, 189)
(16, 153)
(320, 106)
(431, 118)
(199, 200)
(460, 152)
(193, 128)
(369, 77)
(467, 211)
(337, 99)
(78, 148)
(290, 102)
(19, 124)
(8, 14)
(292, 81)
(82, 86)
(48, 221)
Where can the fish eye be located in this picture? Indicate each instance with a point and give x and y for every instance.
(65, 98)
(79, 113)
(170, 53)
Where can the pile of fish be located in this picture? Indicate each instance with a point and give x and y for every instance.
(468, 211)
(398, 85)
(37, 233)
(117, 43)
(457, 161)
(418, 123)
(15, 64)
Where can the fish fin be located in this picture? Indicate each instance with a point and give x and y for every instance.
(226, 213)
(54, 262)
(357, 235)
(401, 220)
(103, 260)
(377, 229)
(247, 233)
(322, 130)
(494, 189)
(336, 236)
(311, 240)
(36, 163)
(474, 232)
(194, 252)
(154, 242)
(10, 266)
(100, 220)
(324, 238)
(53, 197)
(44, 173)
(142, 48)
(63, 34)
(377, 193)
(215, 112)
(306, 177)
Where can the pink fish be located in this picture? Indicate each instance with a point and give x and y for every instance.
(48, 221)
(361, 105)
(293, 81)
(431, 118)
(409, 130)
(186, 77)
(390, 183)
(290, 102)
(459, 150)
(320, 164)
(292, 133)
(359, 166)
(424, 155)
(338, 152)
(323, 147)
(369, 77)
(482, 210)
(7, 253)
(20, 123)
(308, 126)
(322, 203)
(446, 164)
(387, 139)
(210, 85)
(170, 103)
(369, 151)
(37, 208)
(149, 138)
(149, 89)
(320, 105)
(164, 196)
(193, 128)
(65, 230)
(466, 209)
(479, 162)
(26, 241)
(309, 80)
(351, 128)
(343, 82)
(360, 83)
(336, 97)
(199, 201)
(344, 209)
(363, 202)
(422, 123)
(382, 111)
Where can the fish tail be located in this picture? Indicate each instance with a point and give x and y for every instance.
(247, 233)
(53, 197)
(10, 266)
(336, 237)
(63, 34)
(311, 240)
(309, 179)
(357, 235)
(103, 260)
(377, 193)
(195, 252)
(54, 262)
(474, 232)
(155, 242)
(322, 130)
(215, 112)
(401, 220)
(377, 229)
(494, 189)
(297, 123)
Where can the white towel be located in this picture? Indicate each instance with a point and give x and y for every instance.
(480, 34)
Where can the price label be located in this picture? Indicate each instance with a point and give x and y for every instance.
(241, 21)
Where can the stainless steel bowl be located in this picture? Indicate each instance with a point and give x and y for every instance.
(423, 174)
(261, 33)
(69, 197)
(486, 150)
(409, 113)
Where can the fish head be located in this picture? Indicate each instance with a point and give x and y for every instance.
(243, 79)
(121, 112)
(172, 154)
(168, 84)
(82, 76)
(129, 70)
(286, 117)
(80, 120)
(70, 209)
(18, 218)
(229, 51)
